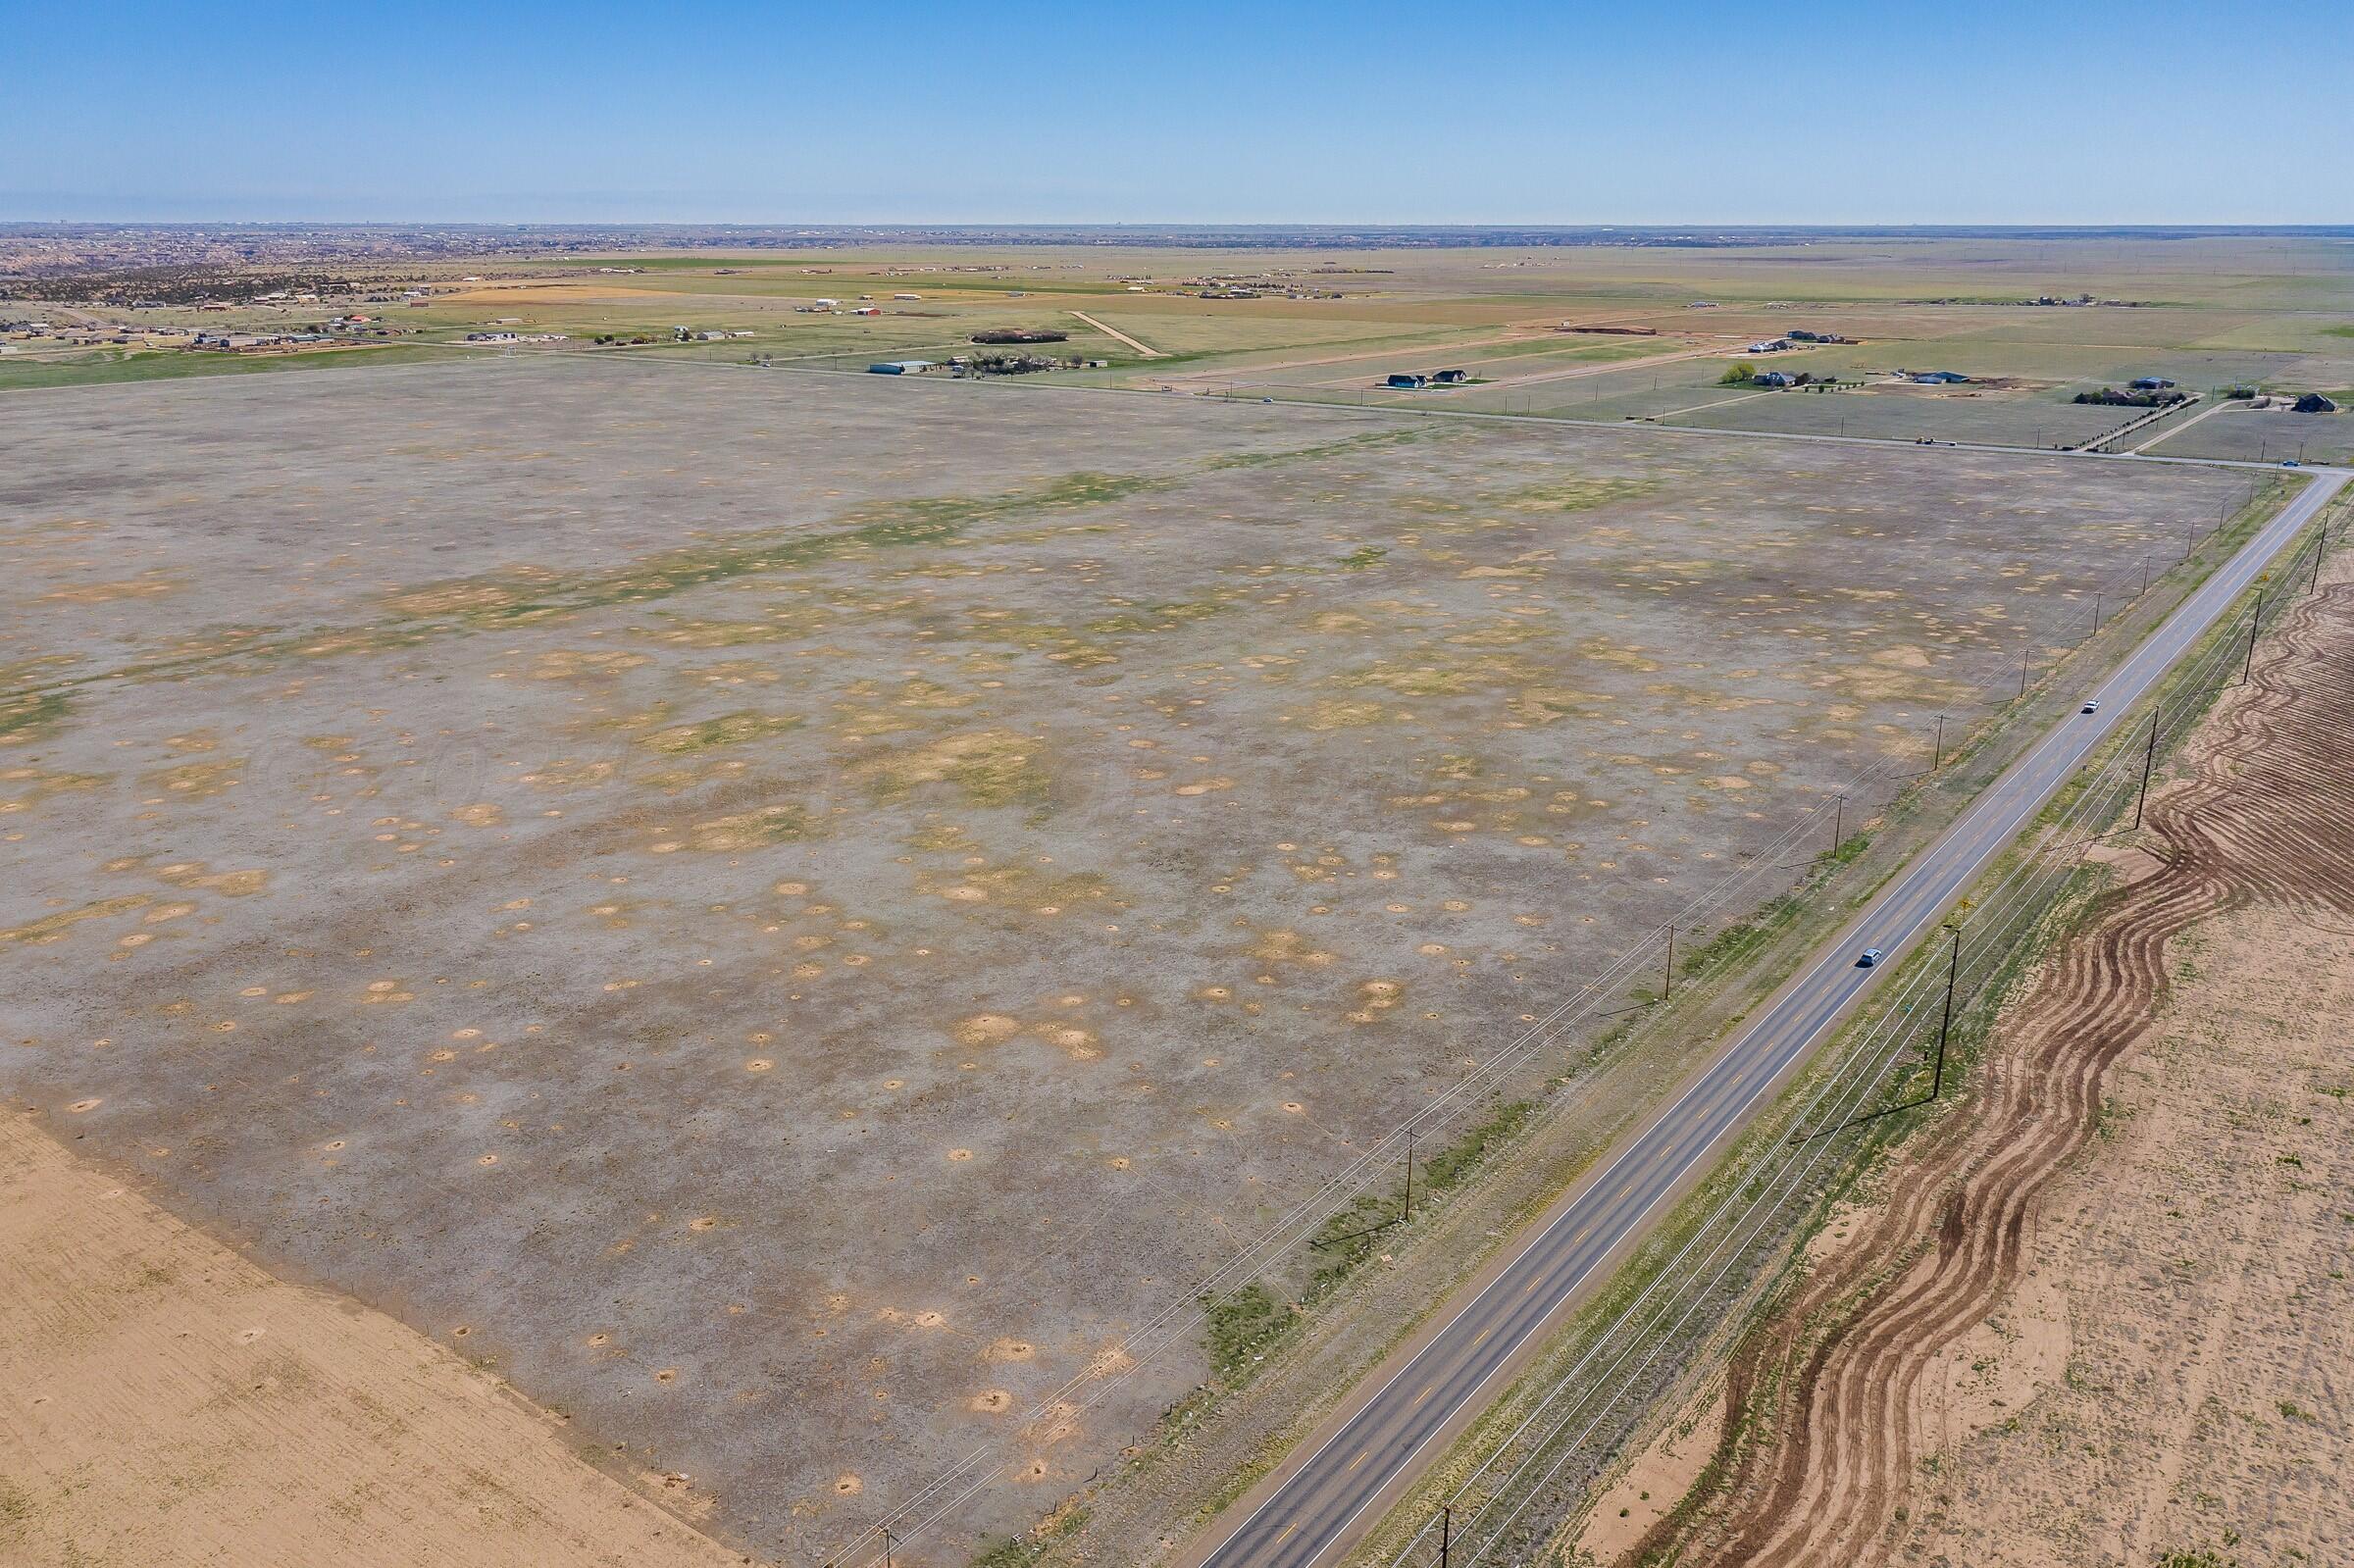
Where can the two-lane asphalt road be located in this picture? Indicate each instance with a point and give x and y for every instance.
(1312, 1509)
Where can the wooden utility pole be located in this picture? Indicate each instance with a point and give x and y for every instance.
(1409, 1180)
(2255, 621)
(2149, 760)
(1838, 821)
(1445, 1532)
(1667, 980)
(1945, 1024)
(1937, 746)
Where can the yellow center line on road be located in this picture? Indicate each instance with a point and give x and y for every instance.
(1428, 1389)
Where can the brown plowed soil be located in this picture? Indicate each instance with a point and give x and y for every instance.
(1832, 1391)
(165, 1403)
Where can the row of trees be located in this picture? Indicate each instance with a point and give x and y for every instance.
(2154, 398)
(1741, 373)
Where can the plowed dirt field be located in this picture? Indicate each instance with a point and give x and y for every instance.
(1955, 1304)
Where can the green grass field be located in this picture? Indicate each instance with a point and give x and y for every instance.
(24, 374)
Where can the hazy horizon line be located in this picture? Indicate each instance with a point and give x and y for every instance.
(1194, 225)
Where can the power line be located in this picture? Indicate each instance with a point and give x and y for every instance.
(2188, 687)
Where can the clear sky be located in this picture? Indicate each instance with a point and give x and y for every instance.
(1898, 111)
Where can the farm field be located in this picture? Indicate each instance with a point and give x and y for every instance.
(164, 1400)
(2255, 435)
(2146, 1368)
(1492, 361)
(786, 915)
(2207, 312)
(1904, 412)
(111, 365)
(2178, 1319)
(1641, 391)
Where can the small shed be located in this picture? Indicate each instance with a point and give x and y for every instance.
(1407, 381)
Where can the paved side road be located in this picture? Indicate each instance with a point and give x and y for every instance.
(1316, 1506)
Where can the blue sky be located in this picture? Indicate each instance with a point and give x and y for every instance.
(1892, 112)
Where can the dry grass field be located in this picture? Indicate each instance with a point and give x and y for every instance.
(784, 915)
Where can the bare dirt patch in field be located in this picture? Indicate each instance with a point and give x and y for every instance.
(1654, 1480)
(2170, 1375)
(550, 294)
(163, 1402)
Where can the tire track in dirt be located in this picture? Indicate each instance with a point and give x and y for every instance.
(2267, 816)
